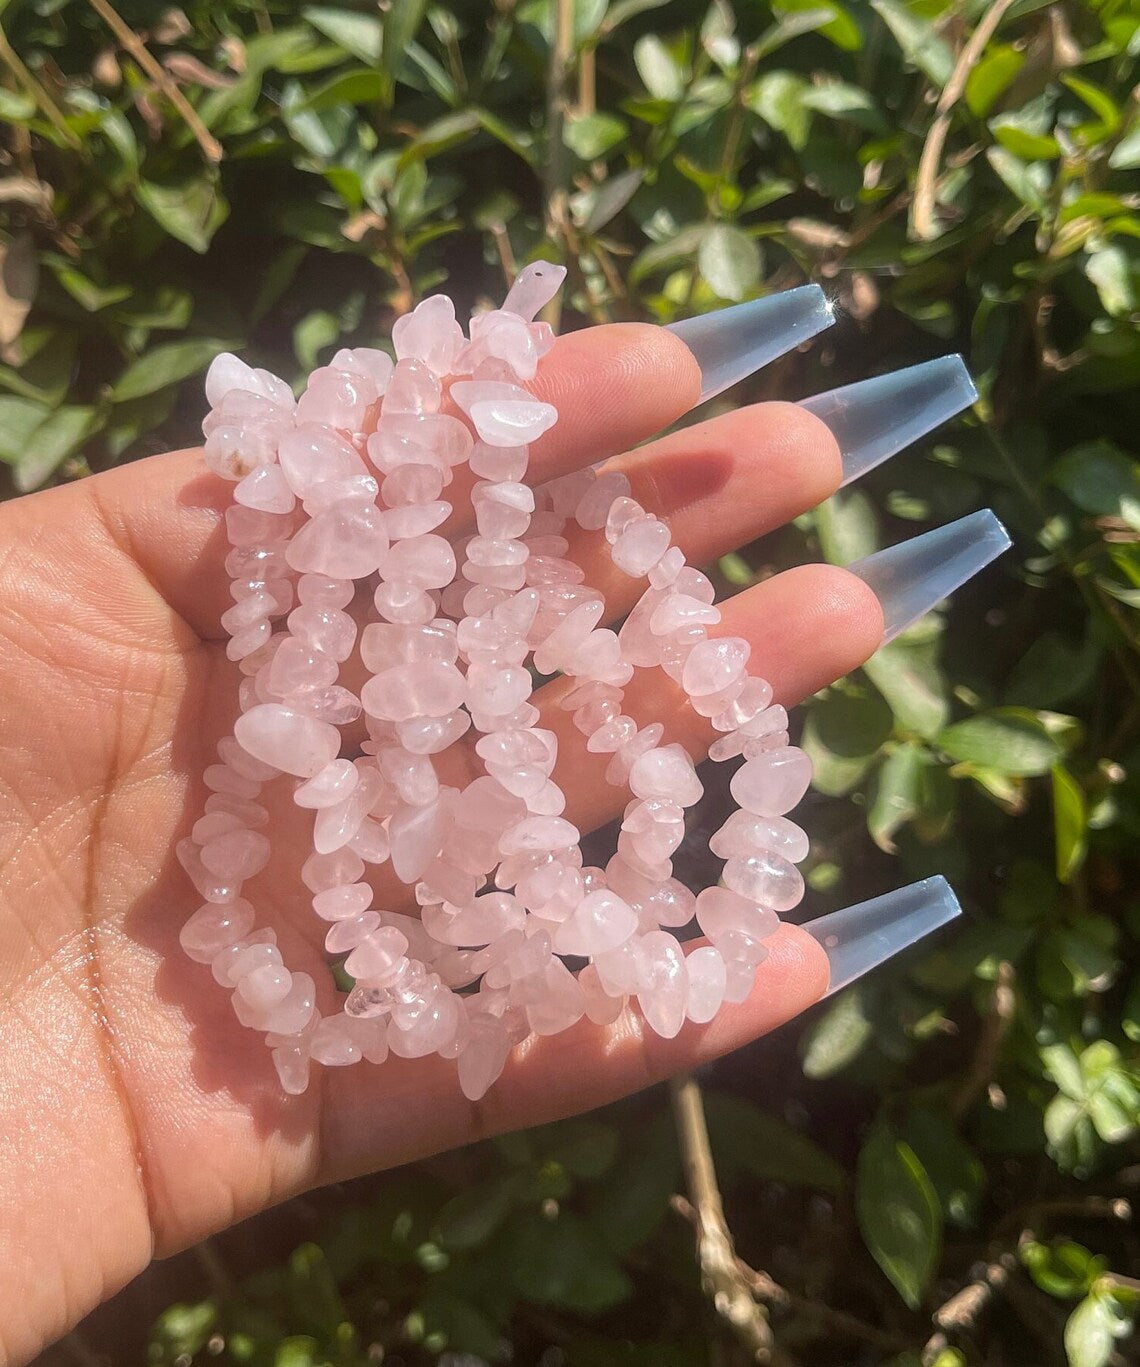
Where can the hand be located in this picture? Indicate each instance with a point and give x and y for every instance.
(139, 1116)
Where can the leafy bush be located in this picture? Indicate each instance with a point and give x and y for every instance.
(275, 179)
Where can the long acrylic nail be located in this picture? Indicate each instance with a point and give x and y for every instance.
(875, 418)
(733, 343)
(910, 578)
(860, 938)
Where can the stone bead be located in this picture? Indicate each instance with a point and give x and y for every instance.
(236, 855)
(228, 373)
(538, 833)
(595, 503)
(765, 878)
(416, 836)
(742, 956)
(265, 987)
(332, 785)
(315, 455)
(561, 1003)
(601, 1007)
(333, 1044)
(708, 981)
(600, 922)
(677, 610)
(744, 834)
(266, 489)
(324, 628)
(416, 519)
(666, 772)
(350, 931)
(289, 740)
(292, 1014)
(298, 668)
(640, 546)
(347, 541)
(498, 462)
(213, 927)
(503, 414)
(663, 983)
(714, 665)
(231, 964)
(342, 901)
(338, 400)
(483, 1056)
(427, 688)
(292, 1069)
(772, 784)
(354, 489)
(721, 911)
(429, 334)
(427, 561)
(322, 871)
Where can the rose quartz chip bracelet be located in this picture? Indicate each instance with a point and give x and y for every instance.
(342, 491)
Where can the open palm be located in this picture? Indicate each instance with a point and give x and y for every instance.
(138, 1114)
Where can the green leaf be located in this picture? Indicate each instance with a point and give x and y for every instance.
(182, 1331)
(359, 34)
(192, 211)
(298, 1350)
(842, 737)
(660, 72)
(899, 1214)
(729, 260)
(1029, 146)
(778, 97)
(908, 676)
(1028, 182)
(1101, 479)
(1052, 670)
(840, 29)
(19, 418)
(955, 1171)
(789, 26)
(848, 528)
(1070, 823)
(1093, 1328)
(1111, 270)
(748, 1141)
(625, 10)
(630, 1202)
(469, 1219)
(1063, 1269)
(594, 208)
(586, 1148)
(898, 794)
(593, 135)
(86, 293)
(164, 365)
(560, 1262)
(1010, 740)
(838, 1036)
(313, 334)
(917, 38)
(59, 436)
(353, 87)
(991, 76)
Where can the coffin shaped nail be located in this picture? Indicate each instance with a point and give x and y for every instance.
(733, 343)
(875, 418)
(860, 938)
(910, 578)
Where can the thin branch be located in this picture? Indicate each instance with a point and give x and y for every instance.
(211, 147)
(721, 1276)
(926, 179)
(38, 92)
(995, 1027)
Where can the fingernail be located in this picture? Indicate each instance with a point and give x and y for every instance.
(735, 342)
(875, 418)
(860, 938)
(910, 578)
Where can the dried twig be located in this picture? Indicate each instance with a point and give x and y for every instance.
(995, 1027)
(721, 1276)
(926, 178)
(211, 147)
(38, 92)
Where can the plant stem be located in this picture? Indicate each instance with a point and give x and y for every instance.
(211, 147)
(721, 1276)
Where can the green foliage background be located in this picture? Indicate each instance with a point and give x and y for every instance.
(964, 1121)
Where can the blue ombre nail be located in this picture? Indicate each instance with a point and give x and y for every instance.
(910, 578)
(875, 418)
(860, 938)
(735, 342)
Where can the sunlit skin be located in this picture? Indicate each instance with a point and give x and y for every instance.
(138, 1115)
